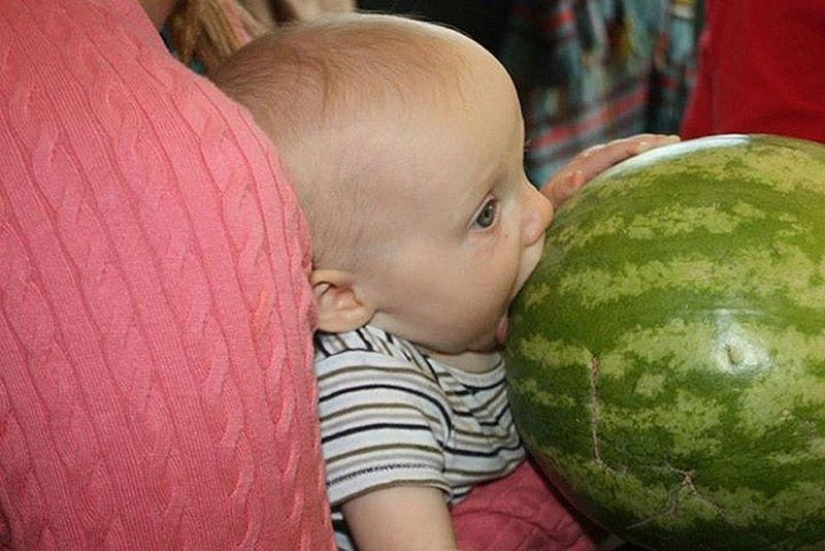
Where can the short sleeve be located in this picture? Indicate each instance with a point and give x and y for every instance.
(381, 425)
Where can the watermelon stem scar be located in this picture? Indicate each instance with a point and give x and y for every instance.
(735, 356)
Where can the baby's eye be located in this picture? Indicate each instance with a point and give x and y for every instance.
(487, 216)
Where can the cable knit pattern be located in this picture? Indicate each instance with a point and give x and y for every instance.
(155, 382)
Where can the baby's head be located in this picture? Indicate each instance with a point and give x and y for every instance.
(404, 141)
(334, 95)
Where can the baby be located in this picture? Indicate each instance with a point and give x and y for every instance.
(405, 142)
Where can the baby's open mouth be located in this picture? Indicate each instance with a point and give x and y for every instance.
(501, 330)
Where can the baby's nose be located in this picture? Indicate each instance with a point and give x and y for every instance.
(538, 216)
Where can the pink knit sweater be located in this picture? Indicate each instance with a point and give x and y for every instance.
(156, 388)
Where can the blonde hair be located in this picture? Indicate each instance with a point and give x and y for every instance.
(212, 30)
(300, 81)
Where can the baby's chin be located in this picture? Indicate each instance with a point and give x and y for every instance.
(480, 356)
(472, 361)
(486, 342)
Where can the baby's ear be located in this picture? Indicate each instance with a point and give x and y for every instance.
(340, 308)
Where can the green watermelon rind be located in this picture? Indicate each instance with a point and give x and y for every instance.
(723, 250)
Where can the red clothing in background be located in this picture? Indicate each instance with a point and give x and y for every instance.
(761, 70)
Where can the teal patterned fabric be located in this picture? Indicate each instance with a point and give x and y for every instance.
(589, 71)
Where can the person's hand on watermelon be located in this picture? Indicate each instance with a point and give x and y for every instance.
(595, 160)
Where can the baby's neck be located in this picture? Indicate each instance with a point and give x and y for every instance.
(471, 362)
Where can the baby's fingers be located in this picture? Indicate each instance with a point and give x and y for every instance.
(645, 142)
(593, 161)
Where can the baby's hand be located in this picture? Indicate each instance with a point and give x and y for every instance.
(595, 160)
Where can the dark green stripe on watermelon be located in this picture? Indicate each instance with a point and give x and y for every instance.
(667, 357)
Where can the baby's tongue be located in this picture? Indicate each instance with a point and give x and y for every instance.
(501, 331)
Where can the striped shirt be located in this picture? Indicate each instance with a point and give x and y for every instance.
(392, 415)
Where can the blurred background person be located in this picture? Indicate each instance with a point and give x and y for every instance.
(760, 70)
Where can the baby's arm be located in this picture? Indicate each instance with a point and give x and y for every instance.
(400, 518)
(594, 160)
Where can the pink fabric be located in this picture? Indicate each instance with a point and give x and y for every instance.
(519, 513)
(156, 388)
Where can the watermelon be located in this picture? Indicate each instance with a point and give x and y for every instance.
(667, 356)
